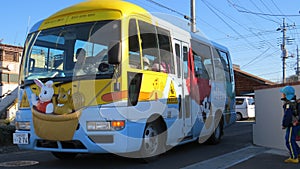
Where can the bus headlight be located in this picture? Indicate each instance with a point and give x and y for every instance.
(105, 125)
(22, 125)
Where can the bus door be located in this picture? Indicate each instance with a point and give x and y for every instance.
(182, 50)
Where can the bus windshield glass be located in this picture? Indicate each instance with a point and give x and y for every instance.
(70, 51)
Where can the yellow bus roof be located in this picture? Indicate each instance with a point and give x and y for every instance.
(92, 10)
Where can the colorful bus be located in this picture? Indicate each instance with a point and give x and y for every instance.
(109, 77)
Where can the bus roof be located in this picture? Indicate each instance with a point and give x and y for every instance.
(219, 46)
(89, 11)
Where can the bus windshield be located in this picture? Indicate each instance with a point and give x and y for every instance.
(70, 51)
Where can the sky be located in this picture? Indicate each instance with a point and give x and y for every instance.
(247, 28)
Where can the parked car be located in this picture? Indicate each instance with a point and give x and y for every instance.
(245, 107)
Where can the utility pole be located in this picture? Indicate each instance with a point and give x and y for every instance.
(297, 69)
(193, 16)
(283, 29)
(284, 51)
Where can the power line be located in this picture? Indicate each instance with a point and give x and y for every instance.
(260, 11)
(170, 9)
(264, 14)
(266, 6)
(278, 9)
(210, 8)
(251, 35)
(241, 25)
(243, 66)
(235, 6)
(269, 73)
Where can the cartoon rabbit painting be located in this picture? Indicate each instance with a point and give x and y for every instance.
(44, 103)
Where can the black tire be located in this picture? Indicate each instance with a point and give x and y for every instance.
(64, 156)
(153, 142)
(216, 136)
(238, 117)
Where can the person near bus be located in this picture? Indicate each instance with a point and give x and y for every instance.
(163, 65)
(146, 63)
(80, 57)
(290, 123)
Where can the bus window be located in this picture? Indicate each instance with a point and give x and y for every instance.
(225, 62)
(219, 66)
(205, 53)
(165, 49)
(94, 51)
(134, 47)
(199, 67)
(177, 50)
(149, 44)
(185, 62)
(47, 58)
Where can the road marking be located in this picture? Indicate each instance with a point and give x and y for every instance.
(18, 163)
(229, 159)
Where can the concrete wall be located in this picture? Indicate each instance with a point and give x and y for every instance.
(7, 101)
(267, 130)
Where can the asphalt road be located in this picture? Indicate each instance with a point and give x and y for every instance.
(236, 138)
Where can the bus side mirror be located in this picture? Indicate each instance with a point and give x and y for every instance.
(114, 52)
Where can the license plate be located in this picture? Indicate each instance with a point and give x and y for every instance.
(20, 138)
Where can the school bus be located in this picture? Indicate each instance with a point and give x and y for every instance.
(141, 85)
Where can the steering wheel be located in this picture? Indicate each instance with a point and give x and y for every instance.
(90, 68)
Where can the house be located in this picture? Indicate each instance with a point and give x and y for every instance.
(10, 57)
(245, 83)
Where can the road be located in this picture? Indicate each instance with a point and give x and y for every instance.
(236, 137)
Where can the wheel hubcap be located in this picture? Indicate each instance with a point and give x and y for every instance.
(218, 132)
(150, 140)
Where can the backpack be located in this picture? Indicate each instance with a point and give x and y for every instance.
(295, 106)
(296, 115)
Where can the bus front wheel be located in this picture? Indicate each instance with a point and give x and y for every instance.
(153, 142)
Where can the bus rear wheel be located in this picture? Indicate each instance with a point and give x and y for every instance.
(64, 155)
(215, 137)
(153, 142)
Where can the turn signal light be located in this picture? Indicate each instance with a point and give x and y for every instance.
(118, 124)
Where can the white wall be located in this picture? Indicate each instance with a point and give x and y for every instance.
(267, 130)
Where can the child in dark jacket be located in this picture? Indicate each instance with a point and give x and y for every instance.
(290, 123)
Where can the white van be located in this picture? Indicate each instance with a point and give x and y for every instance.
(245, 107)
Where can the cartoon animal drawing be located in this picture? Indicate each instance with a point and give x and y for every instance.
(156, 93)
(64, 102)
(44, 103)
(206, 113)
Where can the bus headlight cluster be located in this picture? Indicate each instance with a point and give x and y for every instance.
(105, 125)
(23, 125)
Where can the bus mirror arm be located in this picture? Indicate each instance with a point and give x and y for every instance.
(117, 85)
(114, 52)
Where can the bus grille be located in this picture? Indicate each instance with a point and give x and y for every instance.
(74, 144)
